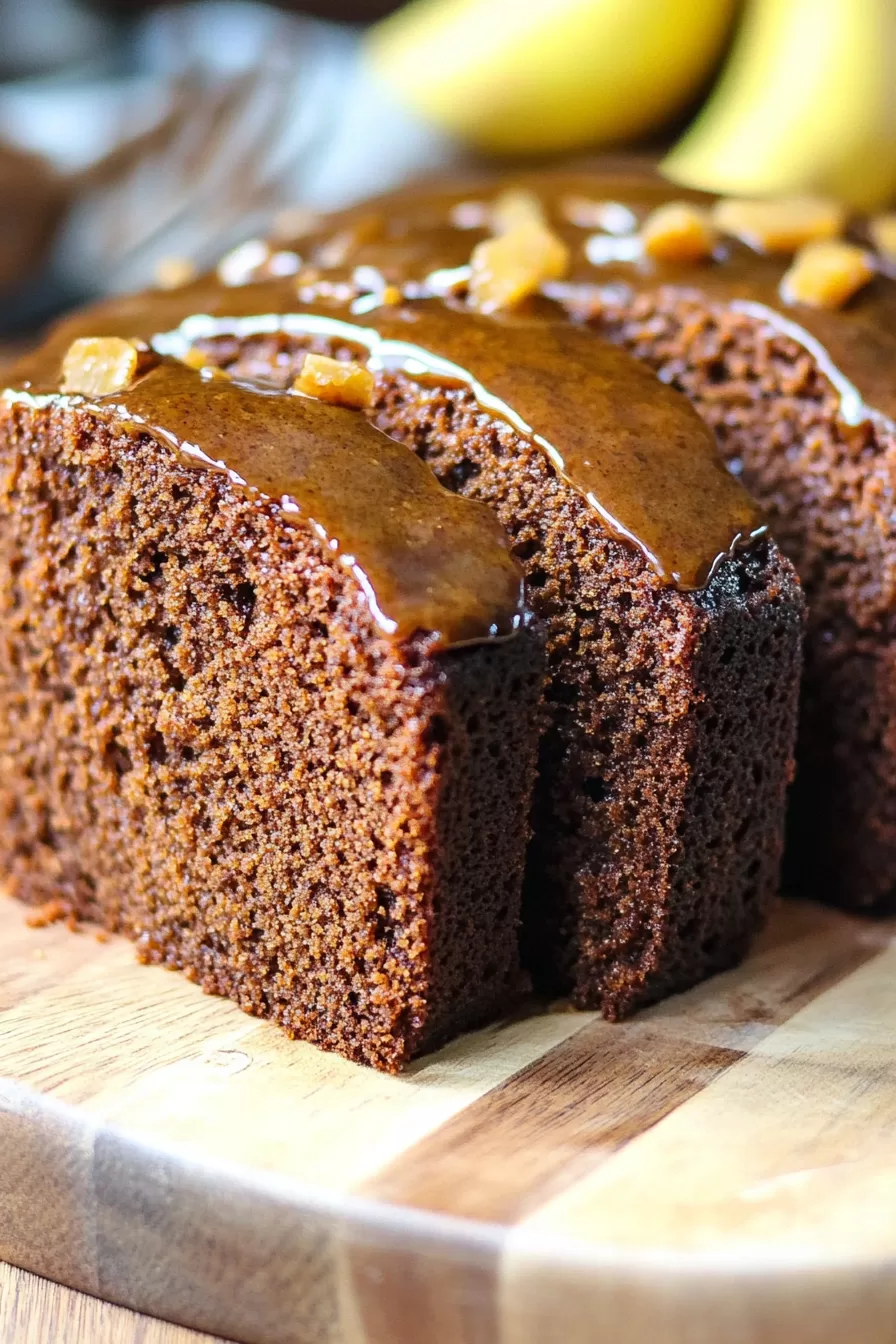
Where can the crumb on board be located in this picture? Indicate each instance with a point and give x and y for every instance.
(54, 912)
(51, 912)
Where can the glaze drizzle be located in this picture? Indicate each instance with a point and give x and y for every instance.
(427, 559)
(426, 236)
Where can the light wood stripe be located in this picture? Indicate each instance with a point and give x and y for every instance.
(144, 1050)
(35, 1311)
(806, 1122)
(148, 1060)
(786, 1160)
(544, 1128)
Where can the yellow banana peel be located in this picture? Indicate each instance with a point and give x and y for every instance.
(807, 102)
(529, 76)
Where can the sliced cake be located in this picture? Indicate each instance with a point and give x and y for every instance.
(269, 697)
(778, 320)
(673, 632)
(673, 624)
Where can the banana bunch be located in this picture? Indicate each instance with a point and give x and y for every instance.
(806, 101)
(532, 76)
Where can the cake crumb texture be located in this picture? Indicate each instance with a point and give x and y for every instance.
(207, 745)
(826, 486)
(660, 801)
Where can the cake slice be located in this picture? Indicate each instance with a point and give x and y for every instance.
(673, 623)
(269, 698)
(789, 358)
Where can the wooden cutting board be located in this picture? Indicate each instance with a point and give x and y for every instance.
(720, 1170)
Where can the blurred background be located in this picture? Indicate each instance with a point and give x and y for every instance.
(134, 133)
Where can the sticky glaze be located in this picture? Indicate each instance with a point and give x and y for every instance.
(418, 240)
(426, 559)
(632, 448)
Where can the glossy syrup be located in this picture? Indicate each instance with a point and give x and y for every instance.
(427, 559)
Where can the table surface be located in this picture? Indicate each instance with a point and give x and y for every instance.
(36, 1311)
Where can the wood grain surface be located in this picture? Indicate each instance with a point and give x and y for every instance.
(723, 1167)
(36, 1311)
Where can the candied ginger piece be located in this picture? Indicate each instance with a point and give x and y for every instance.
(780, 224)
(335, 381)
(97, 366)
(826, 274)
(678, 231)
(507, 269)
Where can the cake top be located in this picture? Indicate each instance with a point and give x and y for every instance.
(634, 449)
(426, 559)
(799, 264)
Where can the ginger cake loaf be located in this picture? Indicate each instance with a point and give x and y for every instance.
(673, 623)
(269, 696)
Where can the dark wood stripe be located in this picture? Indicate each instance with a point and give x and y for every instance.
(591, 1095)
(547, 1126)
(484, 1163)
(561, 1117)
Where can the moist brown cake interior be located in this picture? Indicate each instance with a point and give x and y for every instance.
(224, 739)
(209, 745)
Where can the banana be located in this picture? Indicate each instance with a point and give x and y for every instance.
(529, 76)
(806, 102)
